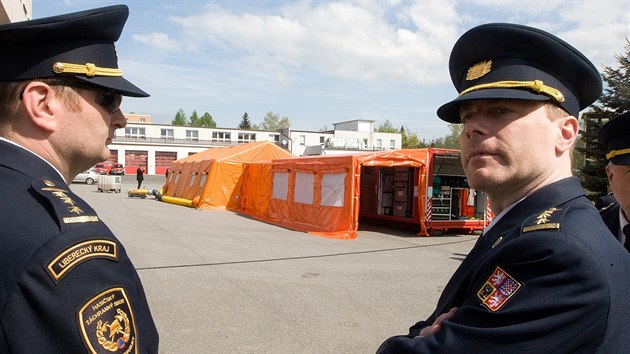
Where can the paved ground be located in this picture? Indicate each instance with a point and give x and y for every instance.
(219, 282)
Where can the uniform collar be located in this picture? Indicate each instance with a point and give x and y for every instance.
(553, 194)
(24, 160)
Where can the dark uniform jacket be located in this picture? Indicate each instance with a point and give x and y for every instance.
(66, 285)
(546, 278)
(610, 215)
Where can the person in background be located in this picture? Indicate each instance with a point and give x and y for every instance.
(67, 284)
(546, 276)
(615, 136)
(140, 176)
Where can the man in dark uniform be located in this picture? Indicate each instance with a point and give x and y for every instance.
(67, 284)
(140, 176)
(615, 135)
(546, 276)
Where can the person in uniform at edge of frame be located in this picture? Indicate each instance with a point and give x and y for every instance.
(546, 276)
(67, 284)
(615, 136)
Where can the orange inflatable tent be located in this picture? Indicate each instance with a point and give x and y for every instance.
(212, 178)
(315, 194)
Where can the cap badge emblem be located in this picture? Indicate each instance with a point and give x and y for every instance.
(478, 70)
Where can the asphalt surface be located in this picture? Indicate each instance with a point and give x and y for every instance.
(220, 282)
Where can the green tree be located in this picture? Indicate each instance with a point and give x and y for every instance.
(207, 121)
(410, 140)
(245, 122)
(450, 141)
(273, 122)
(590, 155)
(194, 120)
(616, 96)
(180, 118)
(387, 127)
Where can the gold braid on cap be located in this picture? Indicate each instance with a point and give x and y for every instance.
(614, 153)
(87, 69)
(536, 86)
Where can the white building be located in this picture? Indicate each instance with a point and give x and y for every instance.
(155, 146)
(347, 137)
(15, 11)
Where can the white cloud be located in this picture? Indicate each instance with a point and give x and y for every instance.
(158, 40)
(339, 39)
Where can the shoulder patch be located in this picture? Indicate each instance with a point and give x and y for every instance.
(498, 289)
(547, 220)
(107, 323)
(79, 253)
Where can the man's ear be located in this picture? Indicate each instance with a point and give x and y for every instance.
(41, 103)
(569, 128)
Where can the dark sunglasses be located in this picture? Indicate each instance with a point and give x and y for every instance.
(110, 100)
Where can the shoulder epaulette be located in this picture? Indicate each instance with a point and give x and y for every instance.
(547, 220)
(65, 207)
(603, 209)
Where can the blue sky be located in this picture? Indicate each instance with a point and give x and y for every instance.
(322, 62)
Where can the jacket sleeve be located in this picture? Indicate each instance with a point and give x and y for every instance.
(554, 300)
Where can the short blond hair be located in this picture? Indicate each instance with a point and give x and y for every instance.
(11, 95)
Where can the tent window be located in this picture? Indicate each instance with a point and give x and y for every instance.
(304, 187)
(202, 181)
(333, 189)
(192, 179)
(280, 185)
(177, 177)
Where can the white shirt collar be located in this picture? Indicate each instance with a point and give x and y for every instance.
(501, 214)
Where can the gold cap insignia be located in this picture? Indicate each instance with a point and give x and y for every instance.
(478, 70)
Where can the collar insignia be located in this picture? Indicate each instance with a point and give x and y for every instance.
(544, 221)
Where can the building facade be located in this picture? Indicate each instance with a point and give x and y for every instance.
(347, 137)
(155, 146)
(15, 11)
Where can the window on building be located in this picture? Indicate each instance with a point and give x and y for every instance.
(302, 140)
(221, 136)
(135, 132)
(322, 139)
(379, 143)
(392, 144)
(274, 137)
(246, 137)
(192, 135)
(167, 134)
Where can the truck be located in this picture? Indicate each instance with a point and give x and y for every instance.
(435, 197)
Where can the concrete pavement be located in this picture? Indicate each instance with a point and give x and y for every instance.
(219, 282)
